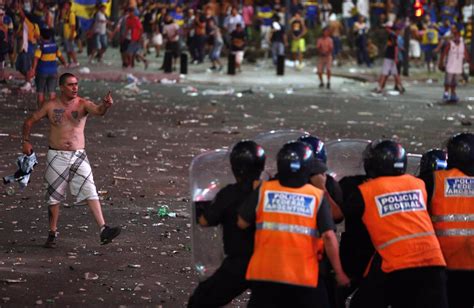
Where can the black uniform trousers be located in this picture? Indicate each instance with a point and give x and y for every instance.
(224, 285)
(460, 289)
(418, 287)
(279, 295)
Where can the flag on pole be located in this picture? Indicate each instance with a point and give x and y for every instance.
(86, 9)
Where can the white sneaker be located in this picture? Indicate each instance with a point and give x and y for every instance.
(26, 87)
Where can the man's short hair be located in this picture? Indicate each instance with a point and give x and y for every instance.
(46, 34)
(64, 77)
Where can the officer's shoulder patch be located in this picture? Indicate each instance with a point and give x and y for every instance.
(459, 187)
(289, 203)
(398, 202)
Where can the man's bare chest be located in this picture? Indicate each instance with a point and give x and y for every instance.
(67, 116)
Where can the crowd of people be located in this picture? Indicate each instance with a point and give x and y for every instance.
(407, 240)
(210, 28)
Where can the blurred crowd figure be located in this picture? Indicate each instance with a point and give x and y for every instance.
(209, 29)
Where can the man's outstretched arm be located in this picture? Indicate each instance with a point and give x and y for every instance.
(101, 109)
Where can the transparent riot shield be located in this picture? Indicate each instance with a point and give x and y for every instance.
(345, 157)
(208, 173)
(413, 164)
(211, 171)
(272, 142)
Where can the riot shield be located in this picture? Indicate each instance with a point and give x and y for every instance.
(345, 157)
(211, 171)
(272, 142)
(208, 173)
(413, 163)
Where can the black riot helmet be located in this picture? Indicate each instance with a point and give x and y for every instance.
(294, 163)
(247, 160)
(384, 158)
(317, 145)
(461, 151)
(432, 160)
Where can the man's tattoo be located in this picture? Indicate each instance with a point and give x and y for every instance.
(58, 115)
(75, 114)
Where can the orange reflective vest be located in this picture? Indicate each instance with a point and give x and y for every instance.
(286, 243)
(452, 213)
(398, 223)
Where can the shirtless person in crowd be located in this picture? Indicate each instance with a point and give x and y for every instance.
(67, 160)
(325, 46)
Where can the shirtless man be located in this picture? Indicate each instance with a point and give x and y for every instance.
(67, 160)
(325, 47)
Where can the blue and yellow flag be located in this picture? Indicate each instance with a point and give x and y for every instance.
(85, 10)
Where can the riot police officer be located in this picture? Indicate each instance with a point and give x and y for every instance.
(247, 160)
(333, 193)
(451, 204)
(288, 214)
(432, 160)
(325, 181)
(392, 207)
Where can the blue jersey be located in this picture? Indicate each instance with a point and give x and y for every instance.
(265, 13)
(47, 54)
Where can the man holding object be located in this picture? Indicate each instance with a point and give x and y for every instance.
(67, 160)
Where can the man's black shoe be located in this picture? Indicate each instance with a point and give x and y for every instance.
(51, 241)
(108, 234)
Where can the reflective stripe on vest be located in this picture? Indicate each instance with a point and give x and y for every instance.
(286, 218)
(453, 218)
(398, 223)
(455, 232)
(405, 237)
(287, 228)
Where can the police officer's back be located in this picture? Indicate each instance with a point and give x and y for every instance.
(392, 207)
(288, 214)
(451, 204)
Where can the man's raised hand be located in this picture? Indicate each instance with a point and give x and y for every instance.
(108, 100)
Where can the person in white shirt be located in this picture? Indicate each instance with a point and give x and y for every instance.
(230, 23)
(100, 34)
(347, 9)
(451, 61)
